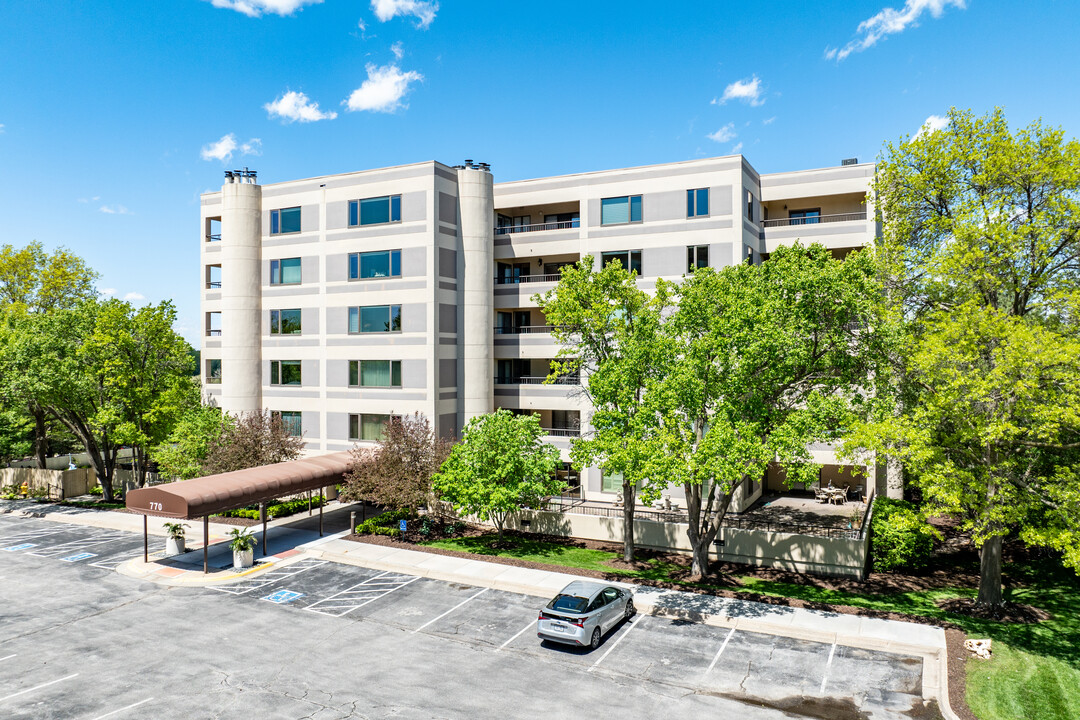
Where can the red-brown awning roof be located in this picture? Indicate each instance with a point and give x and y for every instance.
(189, 499)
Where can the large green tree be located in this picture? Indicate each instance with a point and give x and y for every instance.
(981, 242)
(760, 362)
(196, 433)
(500, 464)
(609, 331)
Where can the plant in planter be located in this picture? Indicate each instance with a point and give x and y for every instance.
(243, 547)
(175, 538)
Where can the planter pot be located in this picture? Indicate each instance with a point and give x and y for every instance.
(243, 558)
(174, 546)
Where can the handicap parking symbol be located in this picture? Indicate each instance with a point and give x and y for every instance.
(77, 558)
(283, 596)
(23, 546)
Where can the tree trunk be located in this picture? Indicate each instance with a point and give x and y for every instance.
(990, 594)
(629, 498)
(138, 455)
(41, 436)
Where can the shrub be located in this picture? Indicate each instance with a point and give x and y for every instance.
(900, 536)
(278, 510)
(385, 524)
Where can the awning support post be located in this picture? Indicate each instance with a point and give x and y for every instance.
(205, 544)
(145, 541)
(262, 516)
(309, 503)
(322, 501)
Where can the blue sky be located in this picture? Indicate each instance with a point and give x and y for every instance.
(115, 116)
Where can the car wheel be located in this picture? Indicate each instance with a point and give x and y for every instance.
(630, 609)
(595, 643)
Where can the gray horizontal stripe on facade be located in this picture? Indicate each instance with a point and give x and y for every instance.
(356, 286)
(817, 230)
(539, 339)
(351, 180)
(269, 341)
(378, 231)
(212, 247)
(339, 447)
(529, 239)
(216, 200)
(643, 229)
(286, 291)
(211, 343)
(751, 227)
(619, 176)
(526, 292)
(443, 285)
(819, 176)
(212, 389)
(537, 391)
(446, 174)
(288, 393)
(375, 340)
(448, 341)
(212, 296)
(291, 239)
(451, 231)
(452, 395)
(370, 394)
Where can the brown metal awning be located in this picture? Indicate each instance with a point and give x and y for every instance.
(190, 499)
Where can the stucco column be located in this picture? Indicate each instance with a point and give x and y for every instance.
(241, 296)
(476, 195)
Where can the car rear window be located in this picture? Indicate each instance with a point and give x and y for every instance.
(568, 603)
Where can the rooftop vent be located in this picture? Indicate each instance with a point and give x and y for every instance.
(850, 161)
(240, 176)
(477, 166)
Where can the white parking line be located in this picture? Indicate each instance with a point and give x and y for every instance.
(828, 664)
(613, 646)
(8, 657)
(450, 610)
(43, 685)
(531, 624)
(72, 546)
(110, 714)
(270, 576)
(361, 594)
(718, 652)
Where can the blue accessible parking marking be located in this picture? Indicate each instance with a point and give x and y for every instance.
(23, 546)
(283, 596)
(77, 558)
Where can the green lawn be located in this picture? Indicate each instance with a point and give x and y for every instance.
(1035, 671)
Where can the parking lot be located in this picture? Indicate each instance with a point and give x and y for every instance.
(318, 639)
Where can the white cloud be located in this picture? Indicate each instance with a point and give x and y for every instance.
(424, 12)
(134, 296)
(107, 291)
(296, 107)
(769, 121)
(748, 91)
(224, 148)
(256, 8)
(724, 134)
(90, 200)
(1, 128)
(736, 149)
(932, 124)
(383, 90)
(889, 22)
(115, 210)
(396, 48)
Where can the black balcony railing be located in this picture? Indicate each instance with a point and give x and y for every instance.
(514, 280)
(562, 432)
(213, 332)
(213, 285)
(524, 329)
(537, 380)
(213, 237)
(512, 229)
(814, 220)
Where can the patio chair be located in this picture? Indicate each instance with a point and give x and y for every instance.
(822, 495)
(838, 494)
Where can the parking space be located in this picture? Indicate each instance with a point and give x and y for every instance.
(495, 629)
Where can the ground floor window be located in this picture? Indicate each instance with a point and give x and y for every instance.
(611, 482)
(292, 422)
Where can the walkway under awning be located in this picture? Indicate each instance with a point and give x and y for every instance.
(205, 496)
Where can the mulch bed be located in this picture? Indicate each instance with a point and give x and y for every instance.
(957, 669)
(238, 521)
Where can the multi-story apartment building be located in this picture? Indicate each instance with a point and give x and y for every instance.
(342, 300)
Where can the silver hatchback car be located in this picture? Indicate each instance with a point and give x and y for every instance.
(583, 612)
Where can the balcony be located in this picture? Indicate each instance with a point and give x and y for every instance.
(516, 279)
(525, 329)
(538, 227)
(213, 332)
(814, 220)
(562, 432)
(537, 380)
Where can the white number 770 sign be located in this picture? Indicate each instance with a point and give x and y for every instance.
(155, 506)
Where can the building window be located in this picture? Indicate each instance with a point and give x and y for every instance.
(697, 256)
(368, 426)
(284, 221)
(750, 206)
(292, 421)
(629, 259)
(213, 372)
(375, 211)
(620, 210)
(381, 264)
(697, 202)
(285, 272)
(285, 322)
(284, 372)
(375, 319)
(375, 373)
(611, 482)
(805, 217)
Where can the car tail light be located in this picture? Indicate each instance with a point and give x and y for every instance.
(580, 622)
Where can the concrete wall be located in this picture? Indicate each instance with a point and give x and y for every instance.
(58, 484)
